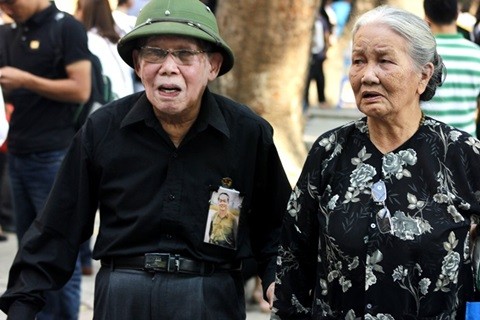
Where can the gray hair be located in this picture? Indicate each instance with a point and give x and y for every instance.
(422, 44)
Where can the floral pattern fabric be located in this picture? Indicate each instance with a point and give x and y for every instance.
(334, 263)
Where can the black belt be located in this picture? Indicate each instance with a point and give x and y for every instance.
(166, 262)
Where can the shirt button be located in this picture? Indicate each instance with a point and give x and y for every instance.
(174, 155)
(171, 197)
(369, 306)
(373, 225)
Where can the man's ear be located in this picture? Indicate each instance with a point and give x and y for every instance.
(216, 60)
(136, 65)
(136, 62)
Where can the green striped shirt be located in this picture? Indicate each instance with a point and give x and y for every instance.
(455, 102)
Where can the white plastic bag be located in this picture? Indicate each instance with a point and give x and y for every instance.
(3, 119)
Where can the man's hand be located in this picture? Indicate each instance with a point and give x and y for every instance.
(12, 78)
(75, 88)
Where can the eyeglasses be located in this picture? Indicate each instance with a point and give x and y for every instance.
(183, 57)
(379, 195)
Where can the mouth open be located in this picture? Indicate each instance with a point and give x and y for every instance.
(368, 95)
(169, 88)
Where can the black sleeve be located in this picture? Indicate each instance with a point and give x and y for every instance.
(271, 194)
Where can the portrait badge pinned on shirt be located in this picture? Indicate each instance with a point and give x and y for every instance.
(34, 44)
(223, 217)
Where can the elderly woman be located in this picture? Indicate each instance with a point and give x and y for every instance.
(379, 223)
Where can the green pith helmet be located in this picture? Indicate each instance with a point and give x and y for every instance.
(189, 18)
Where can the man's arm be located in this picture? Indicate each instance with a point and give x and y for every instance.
(75, 88)
(46, 258)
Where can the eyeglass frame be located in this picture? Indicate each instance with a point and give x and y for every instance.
(173, 52)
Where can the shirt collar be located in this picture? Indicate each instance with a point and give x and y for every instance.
(450, 36)
(209, 115)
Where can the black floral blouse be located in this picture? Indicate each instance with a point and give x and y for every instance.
(381, 236)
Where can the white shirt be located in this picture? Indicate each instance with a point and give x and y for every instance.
(124, 21)
(113, 66)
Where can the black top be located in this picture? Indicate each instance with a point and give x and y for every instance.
(152, 196)
(38, 123)
(337, 259)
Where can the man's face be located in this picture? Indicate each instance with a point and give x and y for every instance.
(175, 86)
(21, 10)
(223, 202)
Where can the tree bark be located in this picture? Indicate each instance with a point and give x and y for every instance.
(271, 41)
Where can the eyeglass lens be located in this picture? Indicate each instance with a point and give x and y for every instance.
(180, 56)
(383, 217)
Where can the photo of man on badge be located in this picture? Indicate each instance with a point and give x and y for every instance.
(223, 219)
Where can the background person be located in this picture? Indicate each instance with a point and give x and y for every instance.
(137, 7)
(149, 162)
(45, 94)
(455, 102)
(3, 136)
(320, 43)
(124, 21)
(103, 36)
(475, 34)
(7, 222)
(390, 199)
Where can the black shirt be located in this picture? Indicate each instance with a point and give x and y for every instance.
(154, 197)
(39, 123)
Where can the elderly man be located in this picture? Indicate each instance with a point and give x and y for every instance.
(150, 163)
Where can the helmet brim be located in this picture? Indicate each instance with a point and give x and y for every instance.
(130, 41)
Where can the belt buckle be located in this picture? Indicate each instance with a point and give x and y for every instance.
(165, 262)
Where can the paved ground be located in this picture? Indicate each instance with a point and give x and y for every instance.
(319, 120)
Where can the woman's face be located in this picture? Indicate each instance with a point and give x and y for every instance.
(383, 76)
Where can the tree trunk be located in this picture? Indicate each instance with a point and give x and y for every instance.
(271, 41)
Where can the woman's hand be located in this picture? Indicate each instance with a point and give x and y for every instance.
(271, 294)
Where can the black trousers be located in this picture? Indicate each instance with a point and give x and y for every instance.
(315, 72)
(6, 211)
(125, 294)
